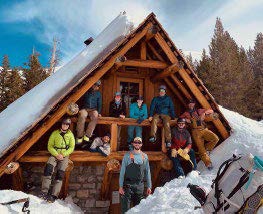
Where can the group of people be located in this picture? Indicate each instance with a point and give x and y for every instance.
(135, 164)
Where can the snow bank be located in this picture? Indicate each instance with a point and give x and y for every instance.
(174, 197)
(36, 205)
(38, 101)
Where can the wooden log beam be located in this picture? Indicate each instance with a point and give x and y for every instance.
(17, 180)
(112, 165)
(144, 64)
(181, 87)
(64, 189)
(175, 91)
(85, 156)
(143, 50)
(156, 174)
(151, 33)
(124, 121)
(155, 52)
(114, 137)
(166, 72)
(191, 84)
(20, 151)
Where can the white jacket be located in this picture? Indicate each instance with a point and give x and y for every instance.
(104, 147)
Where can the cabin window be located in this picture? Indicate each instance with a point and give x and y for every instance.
(130, 89)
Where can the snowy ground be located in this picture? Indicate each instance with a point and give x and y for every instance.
(36, 205)
(174, 197)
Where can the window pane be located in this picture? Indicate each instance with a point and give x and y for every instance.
(134, 88)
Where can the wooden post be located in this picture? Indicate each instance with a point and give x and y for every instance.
(143, 50)
(17, 180)
(114, 137)
(164, 150)
(64, 189)
(156, 174)
(112, 165)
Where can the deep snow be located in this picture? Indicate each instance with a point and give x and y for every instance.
(36, 205)
(174, 197)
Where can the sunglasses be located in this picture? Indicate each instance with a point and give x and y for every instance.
(181, 123)
(66, 124)
(137, 142)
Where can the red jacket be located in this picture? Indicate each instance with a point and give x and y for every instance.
(181, 139)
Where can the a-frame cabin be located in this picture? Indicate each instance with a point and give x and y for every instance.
(136, 63)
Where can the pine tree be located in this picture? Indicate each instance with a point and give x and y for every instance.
(4, 76)
(35, 73)
(227, 69)
(15, 86)
(255, 92)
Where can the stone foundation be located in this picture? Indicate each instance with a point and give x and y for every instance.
(84, 186)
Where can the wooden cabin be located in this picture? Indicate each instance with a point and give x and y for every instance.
(136, 65)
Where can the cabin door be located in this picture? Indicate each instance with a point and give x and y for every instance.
(130, 89)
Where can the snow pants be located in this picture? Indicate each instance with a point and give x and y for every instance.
(177, 164)
(200, 136)
(48, 172)
(83, 114)
(132, 193)
(166, 124)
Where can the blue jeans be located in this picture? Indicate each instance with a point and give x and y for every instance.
(138, 132)
(177, 165)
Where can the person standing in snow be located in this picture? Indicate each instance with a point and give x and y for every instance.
(61, 144)
(134, 167)
(195, 117)
(181, 139)
(101, 145)
(139, 112)
(92, 108)
(162, 108)
(118, 110)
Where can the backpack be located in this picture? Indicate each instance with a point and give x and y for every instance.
(237, 188)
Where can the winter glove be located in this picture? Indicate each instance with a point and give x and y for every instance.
(139, 121)
(174, 153)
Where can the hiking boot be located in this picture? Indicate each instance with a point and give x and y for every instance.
(181, 177)
(152, 139)
(79, 141)
(51, 198)
(85, 139)
(43, 195)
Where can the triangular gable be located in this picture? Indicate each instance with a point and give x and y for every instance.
(94, 71)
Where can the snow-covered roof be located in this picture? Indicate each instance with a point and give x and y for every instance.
(27, 110)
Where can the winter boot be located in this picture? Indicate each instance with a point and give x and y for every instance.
(43, 195)
(51, 198)
(152, 139)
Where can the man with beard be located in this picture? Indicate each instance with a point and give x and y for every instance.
(60, 145)
(134, 167)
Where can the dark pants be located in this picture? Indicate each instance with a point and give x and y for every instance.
(177, 165)
(132, 193)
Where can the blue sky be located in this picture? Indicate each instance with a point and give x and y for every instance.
(25, 24)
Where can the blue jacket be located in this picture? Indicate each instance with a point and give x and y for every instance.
(162, 105)
(136, 112)
(92, 100)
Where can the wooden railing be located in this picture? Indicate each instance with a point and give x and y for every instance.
(115, 122)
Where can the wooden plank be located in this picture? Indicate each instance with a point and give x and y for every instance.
(144, 64)
(151, 33)
(175, 91)
(85, 156)
(20, 151)
(181, 87)
(191, 84)
(143, 50)
(114, 137)
(166, 72)
(155, 52)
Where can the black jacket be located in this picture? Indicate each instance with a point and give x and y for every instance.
(116, 111)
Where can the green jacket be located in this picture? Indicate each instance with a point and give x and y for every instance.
(58, 145)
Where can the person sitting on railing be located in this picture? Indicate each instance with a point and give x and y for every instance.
(181, 146)
(118, 110)
(200, 133)
(92, 108)
(139, 112)
(162, 108)
(101, 145)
